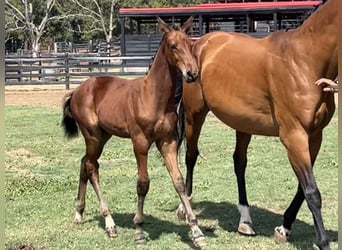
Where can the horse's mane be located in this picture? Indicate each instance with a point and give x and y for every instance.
(307, 14)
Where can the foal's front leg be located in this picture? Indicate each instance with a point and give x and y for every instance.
(141, 148)
(168, 149)
(193, 127)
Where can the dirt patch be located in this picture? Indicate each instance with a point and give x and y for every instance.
(26, 247)
(24, 157)
(43, 96)
(38, 96)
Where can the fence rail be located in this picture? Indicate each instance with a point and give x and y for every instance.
(71, 68)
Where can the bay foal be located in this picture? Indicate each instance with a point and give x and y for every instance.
(142, 110)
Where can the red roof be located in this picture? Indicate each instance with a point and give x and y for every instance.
(222, 7)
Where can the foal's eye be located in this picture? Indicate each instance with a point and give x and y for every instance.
(173, 46)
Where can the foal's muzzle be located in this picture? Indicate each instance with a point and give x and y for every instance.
(191, 77)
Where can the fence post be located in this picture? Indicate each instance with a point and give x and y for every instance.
(40, 67)
(149, 44)
(67, 73)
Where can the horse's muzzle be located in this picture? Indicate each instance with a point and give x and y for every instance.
(190, 77)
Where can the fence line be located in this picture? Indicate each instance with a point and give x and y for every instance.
(71, 68)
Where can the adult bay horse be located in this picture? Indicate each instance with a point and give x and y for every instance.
(266, 87)
(143, 110)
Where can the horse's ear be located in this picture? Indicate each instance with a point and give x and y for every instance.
(163, 27)
(188, 24)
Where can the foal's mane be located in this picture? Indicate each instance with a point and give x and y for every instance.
(178, 92)
(179, 84)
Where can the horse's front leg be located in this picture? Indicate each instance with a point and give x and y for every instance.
(240, 164)
(168, 149)
(141, 147)
(193, 126)
(302, 152)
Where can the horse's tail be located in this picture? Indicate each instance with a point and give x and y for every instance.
(68, 122)
(180, 132)
(180, 124)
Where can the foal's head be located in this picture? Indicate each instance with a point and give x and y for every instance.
(178, 48)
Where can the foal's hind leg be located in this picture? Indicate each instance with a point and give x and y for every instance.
(240, 164)
(89, 171)
(168, 149)
(302, 154)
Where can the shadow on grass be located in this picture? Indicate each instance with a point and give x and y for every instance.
(264, 222)
(227, 215)
(153, 226)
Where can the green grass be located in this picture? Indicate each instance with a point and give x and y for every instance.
(42, 170)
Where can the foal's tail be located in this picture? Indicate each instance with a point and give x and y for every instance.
(68, 123)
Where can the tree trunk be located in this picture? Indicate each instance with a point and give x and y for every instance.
(35, 48)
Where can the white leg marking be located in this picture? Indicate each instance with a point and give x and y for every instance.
(283, 231)
(244, 214)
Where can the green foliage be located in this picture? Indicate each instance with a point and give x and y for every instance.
(76, 18)
(42, 169)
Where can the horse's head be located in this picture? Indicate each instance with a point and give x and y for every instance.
(178, 48)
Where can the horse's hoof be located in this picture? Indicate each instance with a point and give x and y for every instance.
(246, 229)
(112, 232)
(181, 213)
(327, 247)
(140, 240)
(200, 241)
(280, 236)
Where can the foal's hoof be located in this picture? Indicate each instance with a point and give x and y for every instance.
(181, 213)
(200, 241)
(78, 218)
(281, 235)
(112, 232)
(78, 222)
(246, 229)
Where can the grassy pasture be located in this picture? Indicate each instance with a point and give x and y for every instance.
(42, 170)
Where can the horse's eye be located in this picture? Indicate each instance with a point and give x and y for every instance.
(173, 46)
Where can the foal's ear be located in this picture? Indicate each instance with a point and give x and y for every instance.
(163, 27)
(188, 24)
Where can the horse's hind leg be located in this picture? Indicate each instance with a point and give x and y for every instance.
(282, 233)
(302, 154)
(89, 171)
(240, 164)
(168, 149)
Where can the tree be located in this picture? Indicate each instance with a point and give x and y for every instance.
(31, 18)
(101, 14)
(71, 20)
